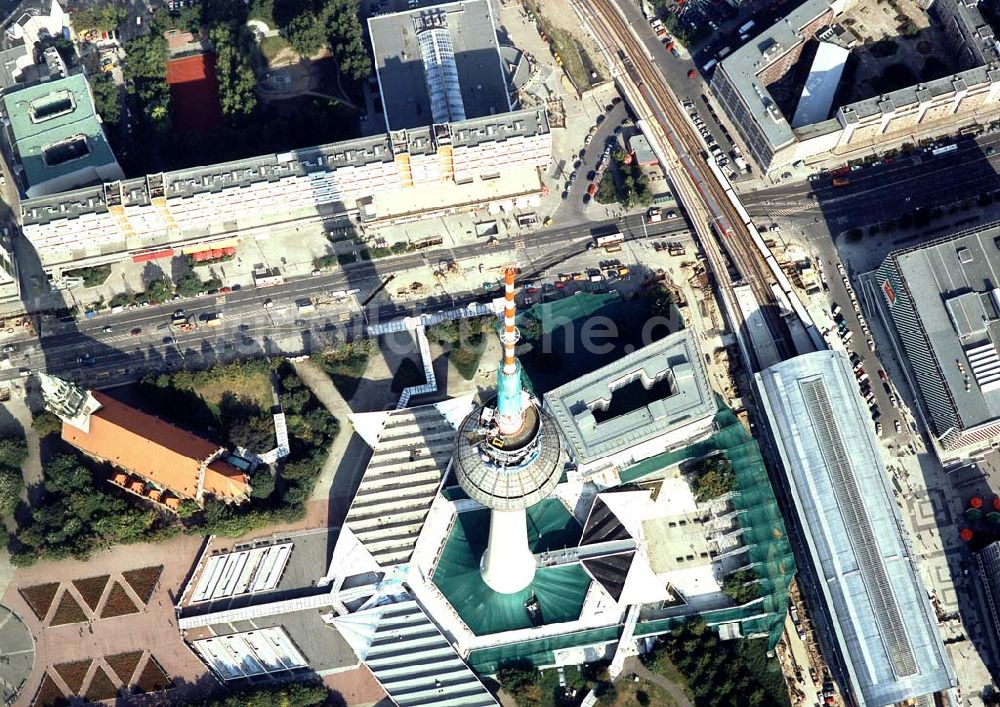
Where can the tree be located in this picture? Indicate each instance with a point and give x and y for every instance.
(159, 290)
(233, 69)
(741, 586)
(607, 693)
(45, 424)
(714, 477)
(13, 451)
(346, 38)
(520, 681)
(125, 525)
(101, 17)
(295, 694)
(255, 433)
(189, 285)
(263, 10)
(146, 70)
(64, 475)
(306, 34)
(107, 99)
(76, 516)
(736, 672)
(262, 483)
(11, 483)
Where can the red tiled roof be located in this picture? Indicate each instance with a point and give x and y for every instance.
(155, 450)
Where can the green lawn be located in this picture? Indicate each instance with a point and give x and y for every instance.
(270, 47)
(213, 397)
(346, 365)
(464, 342)
(255, 387)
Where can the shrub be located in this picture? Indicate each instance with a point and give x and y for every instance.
(520, 681)
(712, 478)
(741, 586)
(95, 276)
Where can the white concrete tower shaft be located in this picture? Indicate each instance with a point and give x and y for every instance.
(508, 565)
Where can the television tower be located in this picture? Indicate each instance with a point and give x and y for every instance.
(508, 458)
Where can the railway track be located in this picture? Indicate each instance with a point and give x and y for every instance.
(734, 236)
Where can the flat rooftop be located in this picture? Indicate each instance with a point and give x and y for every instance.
(665, 385)
(948, 287)
(742, 66)
(882, 621)
(439, 64)
(55, 129)
(273, 167)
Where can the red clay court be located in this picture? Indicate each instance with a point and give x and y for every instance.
(194, 92)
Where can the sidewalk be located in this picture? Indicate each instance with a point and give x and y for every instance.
(324, 389)
(634, 665)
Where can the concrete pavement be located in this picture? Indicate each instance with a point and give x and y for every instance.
(252, 327)
(884, 191)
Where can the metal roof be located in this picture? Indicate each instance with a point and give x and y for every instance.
(408, 462)
(883, 623)
(940, 294)
(674, 358)
(449, 50)
(410, 656)
(46, 116)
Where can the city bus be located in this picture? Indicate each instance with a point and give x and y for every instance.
(608, 240)
(944, 150)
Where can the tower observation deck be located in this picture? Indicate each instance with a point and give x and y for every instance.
(508, 458)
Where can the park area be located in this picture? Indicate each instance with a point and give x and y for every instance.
(194, 92)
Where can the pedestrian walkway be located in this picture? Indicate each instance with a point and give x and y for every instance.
(326, 392)
(676, 692)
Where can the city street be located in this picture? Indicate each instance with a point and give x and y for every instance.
(880, 192)
(675, 71)
(104, 351)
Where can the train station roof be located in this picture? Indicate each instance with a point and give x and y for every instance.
(883, 624)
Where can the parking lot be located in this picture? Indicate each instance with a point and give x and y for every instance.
(713, 131)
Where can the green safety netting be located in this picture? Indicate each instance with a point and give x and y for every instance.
(769, 552)
(560, 590)
(539, 652)
(552, 315)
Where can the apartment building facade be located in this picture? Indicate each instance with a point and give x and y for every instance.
(968, 97)
(202, 208)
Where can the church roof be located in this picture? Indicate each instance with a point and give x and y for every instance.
(155, 450)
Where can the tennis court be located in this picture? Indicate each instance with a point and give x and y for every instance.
(194, 92)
